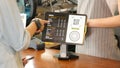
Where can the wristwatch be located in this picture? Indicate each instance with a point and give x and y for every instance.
(37, 22)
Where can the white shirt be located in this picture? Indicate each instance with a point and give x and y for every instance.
(13, 37)
(113, 5)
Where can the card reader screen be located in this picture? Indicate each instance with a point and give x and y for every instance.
(56, 29)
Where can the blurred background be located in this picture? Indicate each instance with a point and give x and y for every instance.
(37, 8)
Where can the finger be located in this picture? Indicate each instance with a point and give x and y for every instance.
(44, 21)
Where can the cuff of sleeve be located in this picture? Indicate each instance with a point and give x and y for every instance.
(26, 41)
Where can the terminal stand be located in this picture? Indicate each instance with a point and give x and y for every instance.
(65, 54)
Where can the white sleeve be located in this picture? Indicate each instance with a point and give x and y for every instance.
(113, 5)
(12, 31)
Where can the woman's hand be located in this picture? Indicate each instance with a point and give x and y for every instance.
(25, 61)
(42, 22)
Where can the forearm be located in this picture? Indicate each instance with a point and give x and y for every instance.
(31, 28)
(105, 22)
